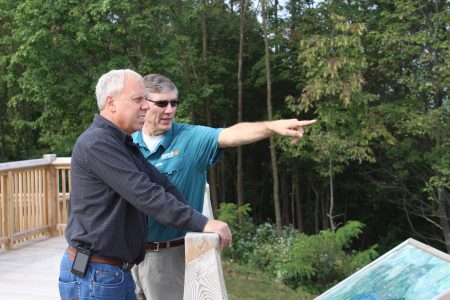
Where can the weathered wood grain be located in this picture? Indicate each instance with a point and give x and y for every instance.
(203, 275)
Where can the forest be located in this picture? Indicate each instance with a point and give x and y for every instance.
(374, 73)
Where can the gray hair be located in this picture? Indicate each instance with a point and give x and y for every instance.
(111, 84)
(157, 83)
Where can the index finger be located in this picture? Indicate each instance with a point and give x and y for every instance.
(307, 122)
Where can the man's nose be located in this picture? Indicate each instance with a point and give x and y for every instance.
(145, 105)
(169, 109)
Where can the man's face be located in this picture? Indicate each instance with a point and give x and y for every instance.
(131, 105)
(159, 119)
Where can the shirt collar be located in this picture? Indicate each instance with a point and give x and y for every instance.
(101, 121)
(139, 139)
(167, 139)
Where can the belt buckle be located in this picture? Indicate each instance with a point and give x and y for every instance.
(125, 265)
(157, 246)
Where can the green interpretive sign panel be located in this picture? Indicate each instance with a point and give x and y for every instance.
(410, 271)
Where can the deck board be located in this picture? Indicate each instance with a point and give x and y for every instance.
(31, 269)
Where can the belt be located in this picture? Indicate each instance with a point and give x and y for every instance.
(155, 246)
(101, 260)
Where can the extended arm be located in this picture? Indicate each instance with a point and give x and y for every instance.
(247, 133)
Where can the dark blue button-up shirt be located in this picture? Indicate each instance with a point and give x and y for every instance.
(112, 189)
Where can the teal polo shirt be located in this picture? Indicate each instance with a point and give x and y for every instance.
(183, 155)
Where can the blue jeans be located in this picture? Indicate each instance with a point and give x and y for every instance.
(102, 281)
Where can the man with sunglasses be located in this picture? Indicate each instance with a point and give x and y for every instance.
(183, 152)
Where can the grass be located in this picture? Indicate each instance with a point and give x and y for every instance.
(245, 283)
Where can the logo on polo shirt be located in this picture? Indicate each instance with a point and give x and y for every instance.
(170, 154)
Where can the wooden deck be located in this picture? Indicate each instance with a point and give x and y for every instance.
(31, 269)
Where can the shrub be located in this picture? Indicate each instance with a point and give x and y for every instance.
(319, 261)
(308, 263)
(267, 249)
(242, 232)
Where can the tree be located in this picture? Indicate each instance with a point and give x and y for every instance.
(273, 157)
(63, 47)
(6, 49)
(335, 64)
(409, 47)
(239, 168)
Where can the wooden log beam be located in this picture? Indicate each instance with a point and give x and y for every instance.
(30, 232)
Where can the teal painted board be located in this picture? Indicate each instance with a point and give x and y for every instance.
(410, 271)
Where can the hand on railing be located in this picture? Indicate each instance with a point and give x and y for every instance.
(222, 229)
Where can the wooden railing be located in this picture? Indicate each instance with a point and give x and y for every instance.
(34, 196)
(34, 201)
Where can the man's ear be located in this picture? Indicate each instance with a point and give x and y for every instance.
(110, 104)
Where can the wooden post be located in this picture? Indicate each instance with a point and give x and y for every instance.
(203, 274)
(63, 210)
(52, 202)
(5, 216)
(10, 211)
(3, 199)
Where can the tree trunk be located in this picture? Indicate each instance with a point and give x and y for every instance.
(298, 203)
(444, 218)
(187, 76)
(2, 135)
(273, 156)
(212, 170)
(240, 169)
(285, 203)
(186, 69)
(324, 211)
(330, 212)
(316, 209)
(2, 143)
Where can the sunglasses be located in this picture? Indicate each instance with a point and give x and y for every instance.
(164, 103)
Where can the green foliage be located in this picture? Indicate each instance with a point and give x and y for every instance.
(52, 54)
(320, 261)
(334, 64)
(268, 250)
(242, 231)
(230, 213)
(408, 43)
(311, 263)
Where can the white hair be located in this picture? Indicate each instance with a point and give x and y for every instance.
(111, 84)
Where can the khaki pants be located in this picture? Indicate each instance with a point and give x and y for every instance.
(161, 275)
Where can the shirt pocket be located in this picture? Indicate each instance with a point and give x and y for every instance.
(171, 166)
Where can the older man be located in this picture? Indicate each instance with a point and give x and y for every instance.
(113, 188)
(183, 153)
